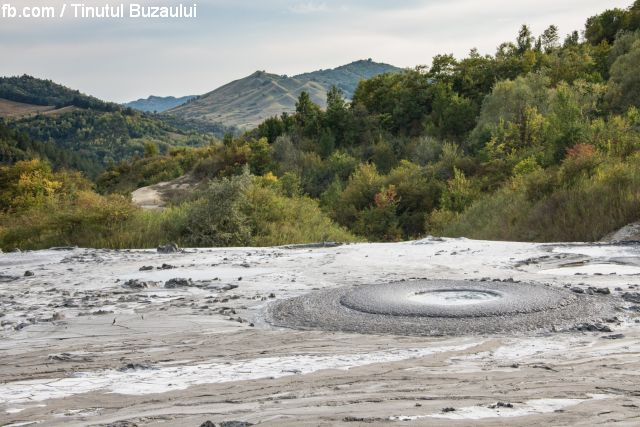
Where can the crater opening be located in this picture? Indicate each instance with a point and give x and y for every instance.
(450, 297)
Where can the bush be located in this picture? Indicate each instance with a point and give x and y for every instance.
(275, 219)
(217, 218)
(542, 210)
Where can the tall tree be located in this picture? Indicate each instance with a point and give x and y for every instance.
(550, 39)
(525, 39)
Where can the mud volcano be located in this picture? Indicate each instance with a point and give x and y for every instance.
(439, 307)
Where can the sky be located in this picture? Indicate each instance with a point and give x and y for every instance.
(125, 59)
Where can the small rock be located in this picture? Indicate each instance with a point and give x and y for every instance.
(29, 273)
(178, 283)
(577, 290)
(593, 327)
(166, 267)
(272, 295)
(146, 268)
(171, 248)
(603, 291)
(613, 337)
(132, 366)
(229, 287)
(501, 405)
(137, 284)
(58, 316)
(448, 409)
(631, 297)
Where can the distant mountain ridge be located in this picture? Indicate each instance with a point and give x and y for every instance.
(347, 77)
(247, 102)
(158, 104)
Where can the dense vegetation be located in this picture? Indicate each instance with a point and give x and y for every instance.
(98, 139)
(538, 142)
(88, 135)
(31, 90)
(42, 208)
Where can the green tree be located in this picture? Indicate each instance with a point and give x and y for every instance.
(605, 26)
(550, 39)
(624, 84)
(525, 39)
(307, 114)
(151, 149)
(338, 117)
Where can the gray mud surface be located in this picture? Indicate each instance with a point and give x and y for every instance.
(532, 335)
(389, 309)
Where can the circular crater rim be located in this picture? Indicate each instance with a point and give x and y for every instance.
(399, 298)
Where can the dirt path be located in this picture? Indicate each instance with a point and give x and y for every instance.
(156, 197)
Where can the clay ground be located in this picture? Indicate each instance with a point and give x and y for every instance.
(79, 348)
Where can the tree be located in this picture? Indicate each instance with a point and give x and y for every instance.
(514, 102)
(624, 84)
(307, 114)
(525, 39)
(260, 158)
(151, 149)
(572, 39)
(452, 116)
(443, 68)
(605, 27)
(459, 193)
(550, 39)
(338, 118)
(271, 128)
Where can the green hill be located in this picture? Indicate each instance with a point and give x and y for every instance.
(30, 90)
(43, 119)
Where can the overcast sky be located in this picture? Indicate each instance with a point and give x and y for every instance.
(122, 60)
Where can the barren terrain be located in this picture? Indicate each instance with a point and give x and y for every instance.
(97, 337)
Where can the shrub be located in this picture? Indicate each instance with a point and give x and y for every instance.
(217, 218)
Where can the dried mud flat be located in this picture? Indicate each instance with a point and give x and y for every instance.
(94, 337)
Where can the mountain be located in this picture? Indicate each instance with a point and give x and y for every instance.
(158, 104)
(347, 77)
(246, 102)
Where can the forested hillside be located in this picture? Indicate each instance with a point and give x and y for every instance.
(31, 90)
(83, 133)
(538, 142)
